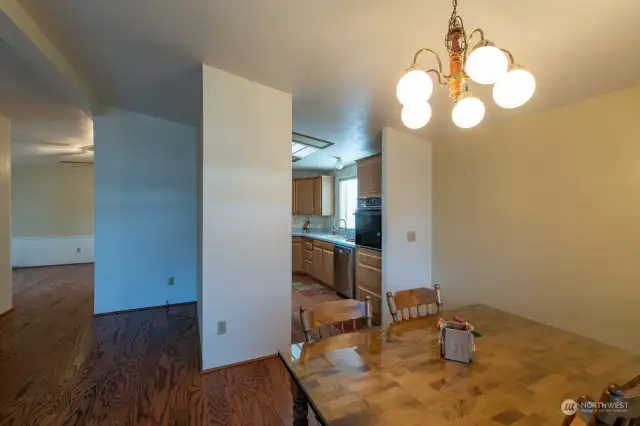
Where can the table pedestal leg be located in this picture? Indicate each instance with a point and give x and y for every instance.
(300, 406)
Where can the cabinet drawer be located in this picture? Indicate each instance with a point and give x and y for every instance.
(296, 239)
(308, 254)
(370, 278)
(368, 257)
(307, 244)
(323, 245)
(376, 303)
(307, 266)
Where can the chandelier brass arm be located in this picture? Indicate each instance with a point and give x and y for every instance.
(512, 61)
(438, 72)
(441, 82)
(477, 30)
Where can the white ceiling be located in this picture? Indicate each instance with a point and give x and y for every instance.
(41, 112)
(340, 59)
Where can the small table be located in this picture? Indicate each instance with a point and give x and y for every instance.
(520, 374)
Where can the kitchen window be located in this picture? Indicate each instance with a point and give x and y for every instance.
(348, 201)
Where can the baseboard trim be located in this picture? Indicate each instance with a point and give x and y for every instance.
(125, 311)
(50, 266)
(6, 313)
(237, 364)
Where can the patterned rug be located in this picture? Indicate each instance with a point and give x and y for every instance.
(310, 289)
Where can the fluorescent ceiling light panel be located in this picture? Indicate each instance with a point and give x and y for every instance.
(295, 147)
(306, 151)
(303, 146)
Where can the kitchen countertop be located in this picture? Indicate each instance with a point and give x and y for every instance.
(326, 236)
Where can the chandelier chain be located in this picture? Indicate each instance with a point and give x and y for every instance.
(455, 23)
(454, 14)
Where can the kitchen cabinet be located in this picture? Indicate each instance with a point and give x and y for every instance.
(327, 267)
(307, 256)
(323, 262)
(296, 254)
(317, 264)
(313, 196)
(303, 195)
(370, 176)
(369, 279)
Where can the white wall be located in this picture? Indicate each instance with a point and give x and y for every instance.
(52, 215)
(406, 189)
(42, 251)
(145, 211)
(246, 229)
(539, 216)
(6, 276)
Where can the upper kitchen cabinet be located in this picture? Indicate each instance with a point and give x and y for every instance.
(313, 196)
(370, 176)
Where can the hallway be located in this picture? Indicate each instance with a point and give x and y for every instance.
(61, 366)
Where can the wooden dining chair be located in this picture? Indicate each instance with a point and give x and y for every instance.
(332, 313)
(407, 304)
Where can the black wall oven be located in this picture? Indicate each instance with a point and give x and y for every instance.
(369, 223)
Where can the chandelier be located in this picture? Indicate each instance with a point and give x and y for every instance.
(484, 63)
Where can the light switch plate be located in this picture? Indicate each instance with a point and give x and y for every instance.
(411, 236)
(222, 327)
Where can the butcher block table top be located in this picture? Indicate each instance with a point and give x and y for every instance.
(521, 372)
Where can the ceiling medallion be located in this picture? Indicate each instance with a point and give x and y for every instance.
(484, 63)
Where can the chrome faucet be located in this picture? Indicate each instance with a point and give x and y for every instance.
(346, 231)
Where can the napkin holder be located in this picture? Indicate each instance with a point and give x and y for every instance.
(456, 341)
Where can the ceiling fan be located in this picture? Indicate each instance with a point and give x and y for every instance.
(55, 148)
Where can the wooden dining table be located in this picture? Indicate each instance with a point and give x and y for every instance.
(520, 374)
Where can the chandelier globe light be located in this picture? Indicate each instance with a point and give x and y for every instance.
(416, 116)
(484, 63)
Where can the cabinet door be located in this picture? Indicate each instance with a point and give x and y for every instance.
(318, 267)
(296, 256)
(307, 267)
(375, 176)
(317, 196)
(304, 197)
(364, 179)
(327, 262)
(293, 197)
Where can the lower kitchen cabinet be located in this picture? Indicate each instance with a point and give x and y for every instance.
(327, 267)
(317, 263)
(307, 267)
(316, 259)
(296, 254)
(369, 279)
(323, 262)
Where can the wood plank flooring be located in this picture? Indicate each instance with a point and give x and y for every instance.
(61, 366)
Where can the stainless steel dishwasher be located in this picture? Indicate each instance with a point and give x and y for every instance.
(343, 271)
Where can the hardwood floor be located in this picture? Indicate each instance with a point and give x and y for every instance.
(61, 366)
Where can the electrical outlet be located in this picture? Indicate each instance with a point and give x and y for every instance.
(411, 236)
(222, 327)
(78, 250)
(172, 281)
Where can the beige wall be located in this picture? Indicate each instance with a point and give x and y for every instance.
(52, 200)
(406, 185)
(6, 281)
(541, 216)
